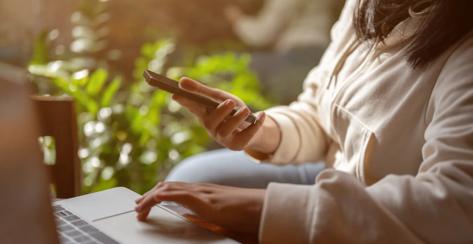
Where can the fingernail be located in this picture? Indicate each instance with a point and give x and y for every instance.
(185, 83)
(229, 102)
(244, 110)
(225, 103)
(190, 83)
(259, 116)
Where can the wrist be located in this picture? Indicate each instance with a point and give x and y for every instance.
(266, 139)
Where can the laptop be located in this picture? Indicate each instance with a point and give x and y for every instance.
(28, 214)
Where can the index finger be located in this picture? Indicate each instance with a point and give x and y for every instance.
(180, 196)
(199, 88)
(144, 206)
(139, 199)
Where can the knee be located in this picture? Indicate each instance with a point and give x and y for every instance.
(205, 167)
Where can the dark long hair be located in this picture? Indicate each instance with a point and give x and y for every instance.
(443, 23)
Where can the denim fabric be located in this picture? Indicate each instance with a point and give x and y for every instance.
(230, 168)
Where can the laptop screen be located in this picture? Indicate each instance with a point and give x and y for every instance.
(25, 209)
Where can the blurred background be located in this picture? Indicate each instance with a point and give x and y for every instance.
(96, 50)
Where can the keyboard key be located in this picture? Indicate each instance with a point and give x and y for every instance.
(64, 228)
(82, 239)
(68, 242)
(72, 233)
(88, 229)
(57, 208)
(101, 237)
(60, 222)
(72, 229)
(91, 242)
(79, 223)
(71, 218)
(61, 214)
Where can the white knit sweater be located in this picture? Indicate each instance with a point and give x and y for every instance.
(399, 142)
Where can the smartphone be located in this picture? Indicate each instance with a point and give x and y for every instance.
(172, 86)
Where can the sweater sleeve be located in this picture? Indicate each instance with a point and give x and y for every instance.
(302, 137)
(434, 206)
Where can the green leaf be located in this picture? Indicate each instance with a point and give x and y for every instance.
(96, 82)
(110, 92)
(79, 96)
(40, 49)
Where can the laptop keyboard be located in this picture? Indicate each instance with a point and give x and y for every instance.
(73, 229)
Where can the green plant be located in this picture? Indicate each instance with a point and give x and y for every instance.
(130, 133)
(228, 72)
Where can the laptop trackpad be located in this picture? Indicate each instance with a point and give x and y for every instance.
(102, 204)
(161, 227)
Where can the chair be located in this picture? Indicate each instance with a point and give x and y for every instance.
(57, 119)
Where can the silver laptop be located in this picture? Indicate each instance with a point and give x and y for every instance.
(27, 215)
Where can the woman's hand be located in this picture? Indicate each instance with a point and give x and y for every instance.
(236, 209)
(226, 129)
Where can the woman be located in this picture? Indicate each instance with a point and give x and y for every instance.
(389, 108)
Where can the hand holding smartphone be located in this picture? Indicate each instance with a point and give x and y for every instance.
(172, 86)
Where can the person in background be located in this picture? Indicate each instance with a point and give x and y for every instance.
(389, 109)
(296, 32)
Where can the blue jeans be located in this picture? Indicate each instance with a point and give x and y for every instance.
(230, 168)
